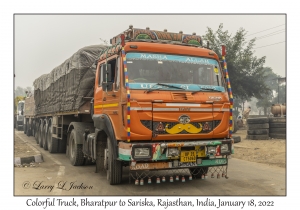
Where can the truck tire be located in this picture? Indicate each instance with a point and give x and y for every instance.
(257, 126)
(277, 136)
(45, 144)
(28, 129)
(236, 139)
(25, 127)
(278, 130)
(258, 132)
(37, 132)
(76, 154)
(278, 125)
(41, 135)
(100, 147)
(198, 172)
(277, 120)
(52, 142)
(33, 128)
(260, 120)
(257, 137)
(114, 172)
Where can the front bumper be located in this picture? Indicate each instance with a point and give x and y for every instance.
(160, 160)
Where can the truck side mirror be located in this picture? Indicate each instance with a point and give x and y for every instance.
(106, 74)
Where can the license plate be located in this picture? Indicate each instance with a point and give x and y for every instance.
(188, 156)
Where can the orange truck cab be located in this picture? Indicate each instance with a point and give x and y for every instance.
(161, 102)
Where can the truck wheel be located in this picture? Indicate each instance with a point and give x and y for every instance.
(114, 171)
(260, 120)
(198, 172)
(236, 139)
(277, 120)
(41, 135)
(45, 144)
(28, 130)
(278, 125)
(37, 132)
(258, 126)
(258, 132)
(25, 127)
(33, 128)
(100, 147)
(76, 154)
(258, 137)
(278, 130)
(278, 136)
(52, 142)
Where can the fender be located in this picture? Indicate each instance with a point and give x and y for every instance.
(80, 127)
(103, 122)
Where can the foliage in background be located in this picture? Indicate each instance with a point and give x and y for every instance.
(271, 82)
(20, 95)
(17, 99)
(245, 70)
(282, 95)
(19, 91)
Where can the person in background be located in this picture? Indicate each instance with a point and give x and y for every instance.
(246, 114)
(239, 121)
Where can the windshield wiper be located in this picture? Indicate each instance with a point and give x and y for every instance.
(206, 89)
(162, 84)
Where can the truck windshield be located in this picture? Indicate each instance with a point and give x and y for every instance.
(145, 70)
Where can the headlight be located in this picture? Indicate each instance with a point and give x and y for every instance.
(211, 150)
(224, 148)
(141, 152)
(172, 152)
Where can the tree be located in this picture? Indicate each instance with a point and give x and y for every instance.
(282, 95)
(271, 81)
(19, 91)
(245, 70)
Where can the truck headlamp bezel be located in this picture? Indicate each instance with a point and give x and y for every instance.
(225, 151)
(141, 157)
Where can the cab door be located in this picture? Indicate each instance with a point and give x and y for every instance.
(111, 97)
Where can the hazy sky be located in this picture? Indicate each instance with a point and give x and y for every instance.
(43, 42)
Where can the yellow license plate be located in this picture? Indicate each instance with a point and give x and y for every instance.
(188, 156)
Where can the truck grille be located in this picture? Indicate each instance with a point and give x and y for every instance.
(182, 96)
(161, 128)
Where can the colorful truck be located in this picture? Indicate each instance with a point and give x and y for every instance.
(156, 102)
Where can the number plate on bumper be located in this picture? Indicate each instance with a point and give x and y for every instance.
(188, 156)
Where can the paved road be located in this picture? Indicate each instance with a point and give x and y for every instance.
(245, 178)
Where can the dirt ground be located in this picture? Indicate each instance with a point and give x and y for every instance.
(271, 152)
